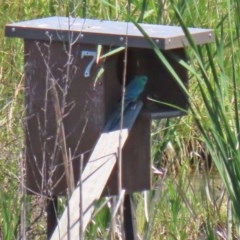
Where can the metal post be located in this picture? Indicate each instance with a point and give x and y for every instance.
(51, 216)
(129, 219)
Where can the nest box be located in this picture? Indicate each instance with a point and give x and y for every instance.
(69, 95)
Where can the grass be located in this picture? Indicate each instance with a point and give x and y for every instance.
(188, 203)
(221, 101)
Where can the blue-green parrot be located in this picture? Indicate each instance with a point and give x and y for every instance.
(132, 92)
(135, 88)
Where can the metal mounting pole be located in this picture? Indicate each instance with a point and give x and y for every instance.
(51, 216)
(129, 219)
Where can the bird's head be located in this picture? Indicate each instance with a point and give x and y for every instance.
(142, 79)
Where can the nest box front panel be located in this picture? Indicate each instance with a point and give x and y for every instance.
(64, 105)
(136, 161)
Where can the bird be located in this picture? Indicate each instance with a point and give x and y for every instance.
(135, 88)
(133, 91)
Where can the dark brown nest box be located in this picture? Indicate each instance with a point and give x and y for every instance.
(69, 96)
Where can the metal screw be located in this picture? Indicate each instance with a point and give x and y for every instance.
(13, 29)
(121, 39)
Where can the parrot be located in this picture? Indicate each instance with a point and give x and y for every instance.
(135, 88)
(133, 91)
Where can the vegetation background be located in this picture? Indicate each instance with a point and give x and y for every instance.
(199, 195)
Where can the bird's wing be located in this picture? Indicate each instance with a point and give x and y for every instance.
(133, 91)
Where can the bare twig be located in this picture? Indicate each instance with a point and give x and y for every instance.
(61, 131)
(120, 190)
(23, 193)
(80, 199)
(229, 220)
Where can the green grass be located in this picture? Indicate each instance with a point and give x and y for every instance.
(183, 207)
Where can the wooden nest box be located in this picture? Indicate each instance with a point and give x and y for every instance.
(70, 95)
